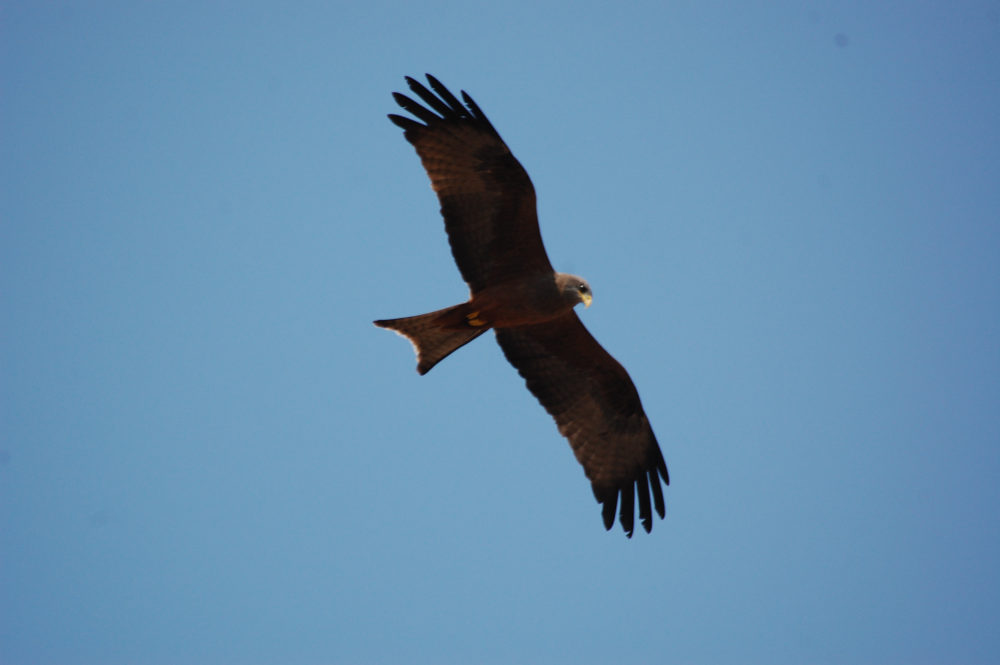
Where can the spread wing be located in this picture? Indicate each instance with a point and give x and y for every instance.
(596, 406)
(487, 199)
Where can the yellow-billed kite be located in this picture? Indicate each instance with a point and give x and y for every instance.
(488, 204)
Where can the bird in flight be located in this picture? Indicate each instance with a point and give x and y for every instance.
(488, 205)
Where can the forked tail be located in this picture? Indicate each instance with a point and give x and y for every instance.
(437, 334)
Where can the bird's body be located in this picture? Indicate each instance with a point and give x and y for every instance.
(531, 299)
(488, 204)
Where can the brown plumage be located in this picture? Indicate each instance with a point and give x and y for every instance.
(488, 205)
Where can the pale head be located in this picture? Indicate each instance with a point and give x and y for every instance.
(574, 289)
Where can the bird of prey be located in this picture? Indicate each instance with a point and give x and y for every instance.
(488, 205)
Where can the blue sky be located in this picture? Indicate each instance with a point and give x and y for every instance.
(790, 217)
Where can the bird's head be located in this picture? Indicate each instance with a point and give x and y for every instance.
(574, 289)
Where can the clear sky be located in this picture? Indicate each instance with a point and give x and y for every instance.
(790, 217)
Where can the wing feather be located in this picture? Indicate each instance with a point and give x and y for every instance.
(609, 507)
(405, 123)
(487, 199)
(446, 105)
(626, 515)
(597, 408)
(654, 482)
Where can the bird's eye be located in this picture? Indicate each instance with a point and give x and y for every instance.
(582, 288)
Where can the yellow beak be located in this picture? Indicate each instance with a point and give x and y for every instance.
(586, 298)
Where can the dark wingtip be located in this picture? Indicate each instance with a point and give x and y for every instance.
(406, 124)
(478, 112)
(609, 505)
(433, 80)
(627, 513)
(608, 515)
(441, 105)
(621, 502)
(645, 513)
(654, 483)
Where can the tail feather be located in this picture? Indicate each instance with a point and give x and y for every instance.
(435, 335)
